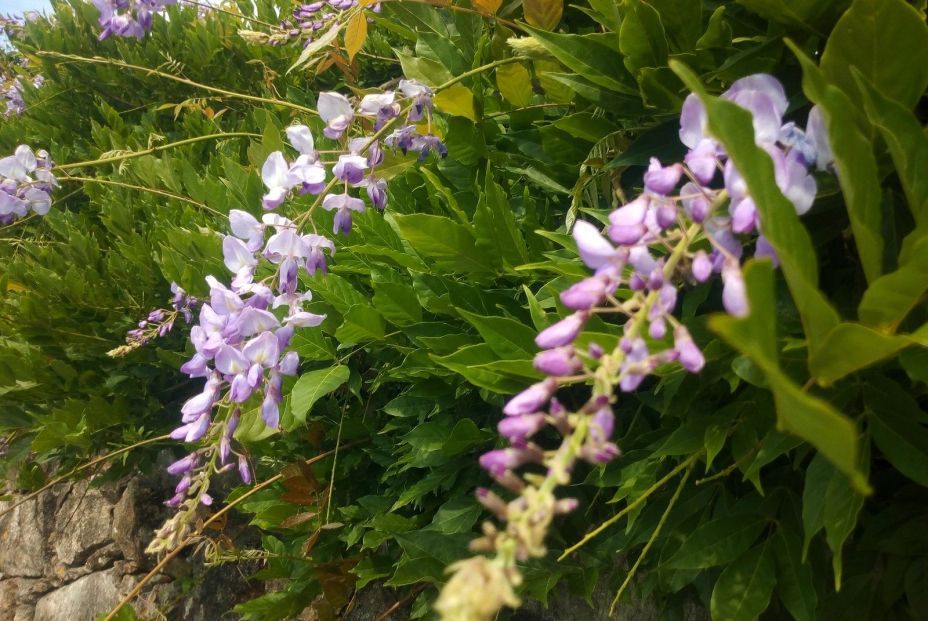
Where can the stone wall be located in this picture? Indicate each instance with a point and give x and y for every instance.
(76, 550)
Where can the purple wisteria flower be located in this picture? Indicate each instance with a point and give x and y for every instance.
(26, 184)
(666, 235)
(128, 18)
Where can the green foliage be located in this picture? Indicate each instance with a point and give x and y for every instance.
(808, 423)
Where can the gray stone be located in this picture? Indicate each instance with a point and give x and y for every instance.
(24, 533)
(125, 529)
(82, 525)
(81, 600)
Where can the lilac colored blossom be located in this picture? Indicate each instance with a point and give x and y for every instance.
(128, 18)
(336, 111)
(563, 332)
(26, 184)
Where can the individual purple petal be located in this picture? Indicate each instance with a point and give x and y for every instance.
(693, 121)
(230, 361)
(764, 250)
(627, 222)
(240, 389)
(532, 399)
(303, 319)
(594, 250)
(563, 332)
(198, 428)
(308, 175)
(662, 180)
(689, 356)
(196, 366)
(703, 160)
(301, 138)
(557, 362)
(236, 255)
(521, 427)
(270, 412)
(585, 294)
(184, 465)
(262, 349)
(243, 470)
(289, 363)
(702, 266)
(734, 294)
(818, 135)
(602, 424)
(743, 216)
(350, 168)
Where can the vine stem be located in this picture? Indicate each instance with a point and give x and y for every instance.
(171, 145)
(98, 60)
(217, 9)
(142, 188)
(632, 505)
(215, 517)
(462, 9)
(89, 464)
(653, 538)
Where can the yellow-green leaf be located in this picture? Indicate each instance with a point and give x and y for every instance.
(515, 84)
(544, 14)
(355, 34)
(490, 6)
(457, 100)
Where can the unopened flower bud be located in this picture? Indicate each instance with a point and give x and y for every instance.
(557, 362)
(661, 180)
(532, 399)
(562, 332)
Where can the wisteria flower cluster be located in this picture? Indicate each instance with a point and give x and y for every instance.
(12, 94)
(245, 327)
(358, 156)
(159, 321)
(26, 183)
(128, 18)
(306, 21)
(692, 220)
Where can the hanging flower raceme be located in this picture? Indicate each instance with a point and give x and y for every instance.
(128, 18)
(159, 322)
(701, 210)
(244, 328)
(306, 22)
(26, 184)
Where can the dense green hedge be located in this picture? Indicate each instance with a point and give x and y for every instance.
(807, 497)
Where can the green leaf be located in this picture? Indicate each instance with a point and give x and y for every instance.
(508, 338)
(794, 578)
(515, 84)
(851, 347)
(642, 39)
(907, 144)
(854, 161)
(397, 303)
(744, 588)
(457, 100)
(717, 542)
(891, 297)
(450, 244)
(495, 225)
(799, 13)
(798, 412)
(901, 439)
(474, 362)
(362, 323)
(718, 32)
(252, 428)
(842, 504)
(818, 474)
(732, 126)
(887, 41)
(312, 386)
(591, 59)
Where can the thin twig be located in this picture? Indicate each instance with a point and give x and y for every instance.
(652, 538)
(89, 464)
(183, 544)
(97, 60)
